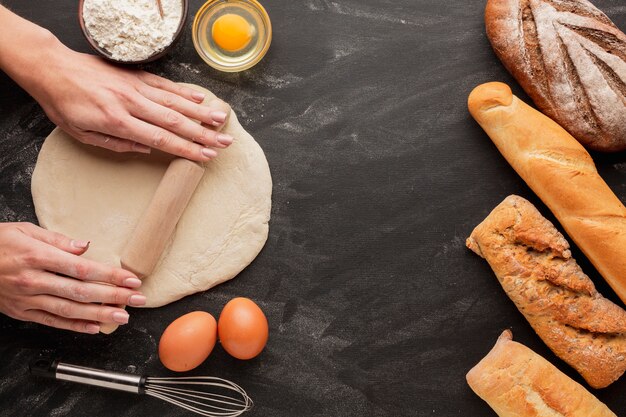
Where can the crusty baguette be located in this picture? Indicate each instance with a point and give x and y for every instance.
(561, 172)
(570, 59)
(535, 267)
(516, 382)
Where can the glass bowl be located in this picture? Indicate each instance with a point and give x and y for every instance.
(249, 55)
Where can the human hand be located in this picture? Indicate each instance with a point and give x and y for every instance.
(128, 110)
(117, 108)
(31, 290)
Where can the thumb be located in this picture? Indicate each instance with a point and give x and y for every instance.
(58, 240)
(112, 143)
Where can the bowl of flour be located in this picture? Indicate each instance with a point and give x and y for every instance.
(132, 31)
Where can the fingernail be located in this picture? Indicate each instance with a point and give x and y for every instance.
(80, 244)
(219, 116)
(140, 147)
(209, 153)
(120, 317)
(224, 139)
(137, 300)
(198, 96)
(92, 328)
(132, 282)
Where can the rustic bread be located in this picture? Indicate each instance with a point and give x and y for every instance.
(561, 173)
(534, 265)
(516, 382)
(570, 59)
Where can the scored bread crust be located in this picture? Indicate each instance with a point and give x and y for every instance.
(517, 382)
(570, 58)
(561, 172)
(533, 263)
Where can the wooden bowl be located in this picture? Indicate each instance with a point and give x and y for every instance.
(107, 55)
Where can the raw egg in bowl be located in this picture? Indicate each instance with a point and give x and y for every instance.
(232, 35)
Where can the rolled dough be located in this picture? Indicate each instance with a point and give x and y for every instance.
(98, 195)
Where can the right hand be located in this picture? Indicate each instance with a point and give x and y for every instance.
(31, 289)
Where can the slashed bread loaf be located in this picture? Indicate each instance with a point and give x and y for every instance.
(516, 382)
(570, 59)
(533, 263)
(561, 172)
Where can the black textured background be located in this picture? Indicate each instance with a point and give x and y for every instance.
(376, 308)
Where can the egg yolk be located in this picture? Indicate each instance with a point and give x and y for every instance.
(231, 32)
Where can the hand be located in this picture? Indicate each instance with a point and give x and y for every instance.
(127, 110)
(31, 290)
(101, 104)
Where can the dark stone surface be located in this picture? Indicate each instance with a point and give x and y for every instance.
(375, 305)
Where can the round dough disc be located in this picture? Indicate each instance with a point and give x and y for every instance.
(94, 194)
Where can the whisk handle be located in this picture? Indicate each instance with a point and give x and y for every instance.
(88, 376)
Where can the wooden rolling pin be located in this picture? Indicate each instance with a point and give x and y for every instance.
(147, 242)
(156, 225)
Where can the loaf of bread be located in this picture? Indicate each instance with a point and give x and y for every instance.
(561, 172)
(516, 382)
(535, 267)
(570, 59)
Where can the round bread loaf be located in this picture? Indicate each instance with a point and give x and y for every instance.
(570, 59)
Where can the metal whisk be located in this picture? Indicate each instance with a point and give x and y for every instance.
(204, 395)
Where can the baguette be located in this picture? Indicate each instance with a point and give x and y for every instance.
(517, 382)
(535, 267)
(561, 172)
(570, 59)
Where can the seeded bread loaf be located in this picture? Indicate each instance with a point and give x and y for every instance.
(570, 59)
(516, 382)
(534, 265)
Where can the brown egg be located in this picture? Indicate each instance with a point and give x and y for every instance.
(242, 328)
(188, 341)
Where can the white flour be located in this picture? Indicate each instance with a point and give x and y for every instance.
(132, 30)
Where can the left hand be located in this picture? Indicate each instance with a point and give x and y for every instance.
(101, 104)
(125, 109)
